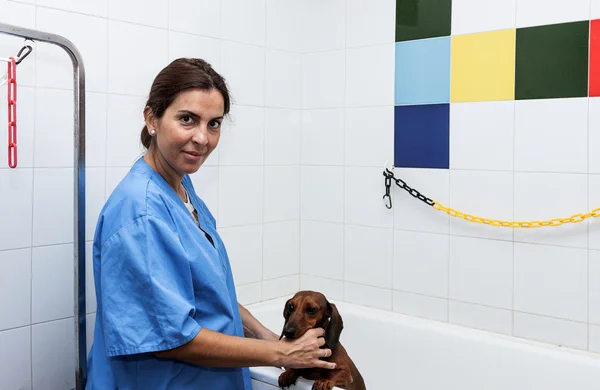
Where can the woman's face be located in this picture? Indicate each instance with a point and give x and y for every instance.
(189, 130)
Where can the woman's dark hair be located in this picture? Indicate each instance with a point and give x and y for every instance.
(181, 75)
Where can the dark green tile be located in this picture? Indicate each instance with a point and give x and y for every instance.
(418, 19)
(552, 61)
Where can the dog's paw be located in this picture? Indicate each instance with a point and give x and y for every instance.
(323, 384)
(287, 379)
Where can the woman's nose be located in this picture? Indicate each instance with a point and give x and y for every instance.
(201, 135)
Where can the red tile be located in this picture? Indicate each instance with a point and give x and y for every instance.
(595, 58)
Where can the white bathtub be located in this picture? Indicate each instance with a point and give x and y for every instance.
(394, 351)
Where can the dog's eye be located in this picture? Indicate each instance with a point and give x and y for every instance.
(312, 311)
(291, 307)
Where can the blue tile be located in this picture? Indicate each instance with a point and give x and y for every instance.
(421, 136)
(423, 71)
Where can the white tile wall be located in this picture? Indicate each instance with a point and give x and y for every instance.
(91, 7)
(332, 289)
(16, 187)
(421, 306)
(421, 263)
(481, 271)
(551, 330)
(52, 283)
(361, 294)
(481, 317)
(368, 139)
(240, 196)
(594, 136)
(471, 16)
(323, 137)
(15, 353)
(370, 23)
(549, 119)
(53, 206)
(275, 288)
(200, 17)
(242, 137)
(244, 90)
(282, 194)
(53, 355)
(324, 79)
(53, 128)
(281, 249)
(481, 135)
(555, 11)
(284, 25)
(129, 11)
(283, 134)
(370, 75)
(245, 249)
(183, 44)
(327, 27)
(243, 21)
(15, 285)
(54, 68)
(283, 79)
(135, 78)
(368, 256)
(322, 258)
(594, 287)
(322, 194)
(536, 292)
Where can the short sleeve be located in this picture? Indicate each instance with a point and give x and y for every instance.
(147, 294)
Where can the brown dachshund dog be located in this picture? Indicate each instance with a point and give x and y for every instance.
(308, 310)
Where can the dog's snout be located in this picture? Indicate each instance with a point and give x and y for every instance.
(289, 331)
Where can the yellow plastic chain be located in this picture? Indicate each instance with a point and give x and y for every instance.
(517, 224)
(389, 176)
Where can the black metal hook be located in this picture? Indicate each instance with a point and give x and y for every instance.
(29, 50)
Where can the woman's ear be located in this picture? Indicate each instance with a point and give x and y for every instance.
(149, 118)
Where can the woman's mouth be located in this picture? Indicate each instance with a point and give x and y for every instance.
(193, 155)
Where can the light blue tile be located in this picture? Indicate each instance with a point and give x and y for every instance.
(423, 71)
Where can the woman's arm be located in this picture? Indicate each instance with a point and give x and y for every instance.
(253, 328)
(213, 349)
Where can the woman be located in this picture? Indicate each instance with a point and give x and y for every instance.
(168, 316)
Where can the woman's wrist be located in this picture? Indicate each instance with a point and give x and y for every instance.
(280, 354)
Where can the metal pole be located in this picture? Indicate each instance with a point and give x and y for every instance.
(79, 195)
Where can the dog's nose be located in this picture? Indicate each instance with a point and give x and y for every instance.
(289, 332)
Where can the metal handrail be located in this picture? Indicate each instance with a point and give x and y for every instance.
(79, 177)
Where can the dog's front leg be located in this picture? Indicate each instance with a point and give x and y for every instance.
(288, 378)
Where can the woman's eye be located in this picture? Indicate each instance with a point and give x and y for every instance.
(187, 119)
(214, 124)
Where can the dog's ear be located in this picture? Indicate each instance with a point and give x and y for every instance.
(286, 315)
(334, 327)
(286, 311)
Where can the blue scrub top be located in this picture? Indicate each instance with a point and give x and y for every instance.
(159, 281)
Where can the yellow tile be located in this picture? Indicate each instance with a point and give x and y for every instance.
(483, 66)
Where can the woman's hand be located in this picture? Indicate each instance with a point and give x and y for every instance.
(306, 351)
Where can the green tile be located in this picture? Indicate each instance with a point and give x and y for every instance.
(552, 61)
(418, 19)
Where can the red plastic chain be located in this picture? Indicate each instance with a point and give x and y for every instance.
(12, 113)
